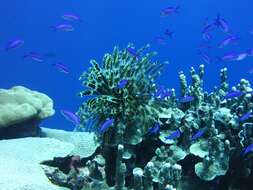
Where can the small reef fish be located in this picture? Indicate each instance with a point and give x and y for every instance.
(245, 116)
(227, 41)
(169, 11)
(106, 125)
(63, 27)
(71, 17)
(186, 99)
(221, 23)
(173, 135)
(70, 116)
(155, 129)
(61, 67)
(247, 149)
(122, 84)
(208, 27)
(233, 94)
(205, 57)
(198, 134)
(241, 56)
(206, 36)
(14, 44)
(231, 56)
(168, 33)
(34, 56)
(132, 51)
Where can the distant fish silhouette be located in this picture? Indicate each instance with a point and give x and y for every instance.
(14, 44)
(71, 17)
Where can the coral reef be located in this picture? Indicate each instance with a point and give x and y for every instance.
(150, 138)
(21, 111)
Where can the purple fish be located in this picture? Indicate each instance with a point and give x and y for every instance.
(186, 99)
(198, 134)
(132, 51)
(155, 129)
(14, 44)
(71, 117)
(122, 84)
(168, 33)
(233, 94)
(71, 17)
(245, 116)
(241, 56)
(34, 56)
(173, 135)
(63, 27)
(208, 27)
(106, 125)
(206, 58)
(221, 23)
(169, 11)
(61, 67)
(206, 36)
(231, 56)
(227, 41)
(247, 149)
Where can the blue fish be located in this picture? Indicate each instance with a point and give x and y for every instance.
(106, 125)
(132, 51)
(72, 117)
(34, 56)
(206, 58)
(221, 23)
(168, 33)
(122, 83)
(14, 44)
(173, 135)
(61, 68)
(233, 94)
(186, 99)
(63, 27)
(169, 11)
(245, 116)
(71, 17)
(155, 129)
(198, 134)
(247, 149)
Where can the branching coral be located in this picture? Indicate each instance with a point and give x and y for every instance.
(133, 107)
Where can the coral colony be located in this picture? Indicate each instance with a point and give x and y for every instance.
(152, 139)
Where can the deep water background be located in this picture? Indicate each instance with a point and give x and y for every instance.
(109, 23)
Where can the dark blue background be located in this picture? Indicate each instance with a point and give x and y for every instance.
(108, 23)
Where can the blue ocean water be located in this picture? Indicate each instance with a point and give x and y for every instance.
(109, 23)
